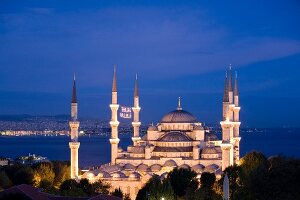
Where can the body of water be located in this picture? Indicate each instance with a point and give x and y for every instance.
(95, 150)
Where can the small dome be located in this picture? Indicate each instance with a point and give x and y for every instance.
(143, 168)
(210, 136)
(178, 116)
(152, 128)
(211, 168)
(129, 166)
(209, 150)
(184, 166)
(175, 136)
(103, 175)
(198, 168)
(155, 168)
(134, 175)
(170, 163)
(198, 128)
(118, 175)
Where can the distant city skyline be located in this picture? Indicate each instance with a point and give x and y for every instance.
(177, 48)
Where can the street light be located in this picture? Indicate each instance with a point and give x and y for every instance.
(162, 198)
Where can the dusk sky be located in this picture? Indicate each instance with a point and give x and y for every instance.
(177, 48)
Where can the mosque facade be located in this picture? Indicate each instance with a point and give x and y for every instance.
(178, 140)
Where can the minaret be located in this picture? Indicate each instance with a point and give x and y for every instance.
(136, 112)
(225, 99)
(227, 124)
(237, 123)
(114, 106)
(74, 125)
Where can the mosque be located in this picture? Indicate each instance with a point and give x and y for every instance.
(178, 140)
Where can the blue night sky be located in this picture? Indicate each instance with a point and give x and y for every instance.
(178, 48)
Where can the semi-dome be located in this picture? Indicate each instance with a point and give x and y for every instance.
(175, 136)
(209, 150)
(134, 175)
(198, 168)
(152, 128)
(198, 128)
(179, 116)
(184, 166)
(170, 163)
(155, 167)
(143, 168)
(128, 166)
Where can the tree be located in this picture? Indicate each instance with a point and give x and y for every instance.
(117, 193)
(43, 172)
(71, 188)
(100, 187)
(69, 184)
(62, 172)
(5, 182)
(236, 185)
(23, 176)
(254, 167)
(85, 185)
(207, 180)
(251, 161)
(155, 189)
(181, 179)
(206, 192)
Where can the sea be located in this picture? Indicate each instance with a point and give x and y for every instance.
(95, 150)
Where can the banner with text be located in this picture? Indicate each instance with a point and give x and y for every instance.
(125, 112)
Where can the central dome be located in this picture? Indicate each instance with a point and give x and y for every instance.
(179, 116)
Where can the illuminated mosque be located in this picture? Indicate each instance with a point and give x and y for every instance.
(178, 140)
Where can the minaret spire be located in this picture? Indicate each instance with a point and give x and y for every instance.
(230, 79)
(74, 96)
(236, 91)
(114, 83)
(226, 95)
(136, 92)
(179, 104)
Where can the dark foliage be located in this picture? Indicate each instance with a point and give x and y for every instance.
(181, 179)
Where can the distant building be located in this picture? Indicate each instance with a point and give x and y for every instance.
(31, 159)
(178, 140)
(4, 161)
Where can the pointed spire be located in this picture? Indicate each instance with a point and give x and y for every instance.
(136, 92)
(74, 96)
(114, 83)
(236, 90)
(179, 104)
(230, 79)
(226, 95)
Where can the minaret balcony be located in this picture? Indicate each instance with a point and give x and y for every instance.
(136, 123)
(114, 140)
(237, 108)
(137, 108)
(74, 145)
(114, 123)
(227, 123)
(114, 106)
